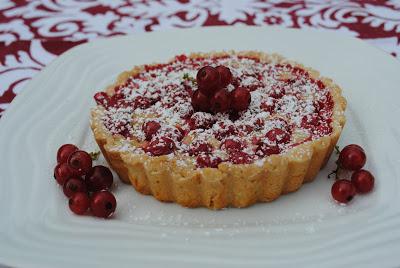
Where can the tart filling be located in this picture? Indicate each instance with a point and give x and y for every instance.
(154, 110)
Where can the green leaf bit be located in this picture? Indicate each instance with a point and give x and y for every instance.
(94, 155)
(186, 76)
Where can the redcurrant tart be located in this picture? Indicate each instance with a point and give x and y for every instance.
(64, 152)
(99, 178)
(352, 157)
(343, 191)
(241, 99)
(80, 162)
(213, 112)
(363, 180)
(103, 204)
(74, 185)
(79, 203)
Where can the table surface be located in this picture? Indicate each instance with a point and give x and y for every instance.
(33, 33)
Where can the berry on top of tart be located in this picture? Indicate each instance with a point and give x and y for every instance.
(219, 129)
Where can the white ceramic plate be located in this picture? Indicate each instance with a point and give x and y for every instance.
(305, 228)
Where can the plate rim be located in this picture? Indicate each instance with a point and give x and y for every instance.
(25, 94)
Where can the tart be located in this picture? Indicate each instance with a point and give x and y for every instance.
(263, 130)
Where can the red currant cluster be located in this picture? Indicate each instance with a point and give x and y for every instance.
(212, 94)
(90, 192)
(352, 158)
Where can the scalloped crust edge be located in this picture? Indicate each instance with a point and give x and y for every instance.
(228, 185)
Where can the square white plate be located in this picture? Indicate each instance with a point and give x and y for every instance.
(305, 229)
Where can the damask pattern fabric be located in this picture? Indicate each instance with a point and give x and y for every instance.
(33, 33)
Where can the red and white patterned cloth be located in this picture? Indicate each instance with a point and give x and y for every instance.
(33, 33)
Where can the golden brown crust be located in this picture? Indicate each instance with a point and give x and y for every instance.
(229, 184)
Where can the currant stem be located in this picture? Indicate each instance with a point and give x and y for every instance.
(186, 76)
(337, 151)
(334, 171)
(94, 155)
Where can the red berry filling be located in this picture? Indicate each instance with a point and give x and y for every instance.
(160, 146)
(200, 148)
(224, 131)
(266, 149)
(310, 121)
(102, 99)
(232, 145)
(278, 135)
(142, 102)
(238, 157)
(150, 129)
(277, 93)
(210, 100)
(201, 120)
(205, 160)
(268, 106)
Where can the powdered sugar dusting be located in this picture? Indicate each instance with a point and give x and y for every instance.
(284, 100)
